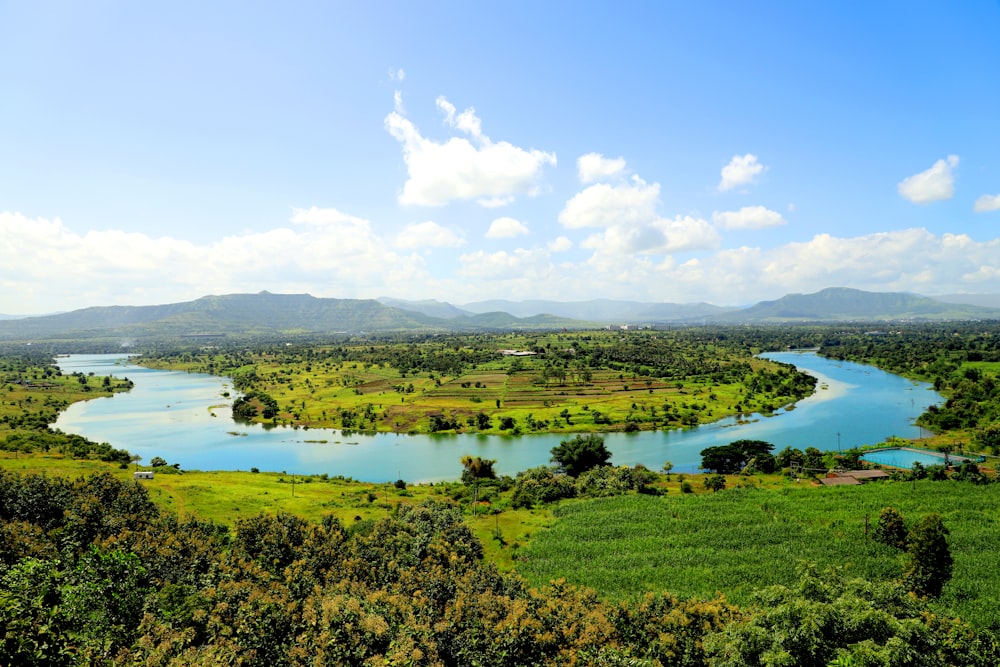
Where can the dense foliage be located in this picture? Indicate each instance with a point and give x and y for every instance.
(92, 573)
(580, 453)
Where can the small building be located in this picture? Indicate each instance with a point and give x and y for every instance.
(852, 477)
(836, 480)
(142, 474)
(866, 475)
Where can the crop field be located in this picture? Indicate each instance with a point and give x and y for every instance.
(742, 539)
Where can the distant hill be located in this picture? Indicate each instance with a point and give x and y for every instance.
(269, 315)
(841, 304)
(262, 314)
(429, 307)
(604, 310)
(984, 300)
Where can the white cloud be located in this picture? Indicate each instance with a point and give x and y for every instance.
(397, 74)
(428, 234)
(560, 244)
(594, 167)
(505, 228)
(626, 215)
(603, 205)
(748, 217)
(741, 170)
(659, 236)
(906, 260)
(460, 168)
(46, 266)
(987, 203)
(521, 265)
(935, 184)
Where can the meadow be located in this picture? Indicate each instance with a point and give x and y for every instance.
(742, 539)
(225, 496)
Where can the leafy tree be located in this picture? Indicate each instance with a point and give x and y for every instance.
(580, 454)
(891, 528)
(541, 485)
(828, 618)
(988, 438)
(929, 562)
(732, 458)
(475, 468)
(715, 483)
(157, 462)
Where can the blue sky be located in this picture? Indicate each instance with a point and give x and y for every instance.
(726, 152)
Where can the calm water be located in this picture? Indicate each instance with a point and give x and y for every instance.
(185, 419)
(905, 458)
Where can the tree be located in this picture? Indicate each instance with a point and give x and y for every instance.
(891, 528)
(929, 562)
(667, 467)
(580, 454)
(988, 439)
(731, 459)
(715, 483)
(475, 468)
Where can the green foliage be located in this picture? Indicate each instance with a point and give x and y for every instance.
(696, 544)
(475, 468)
(541, 485)
(890, 528)
(732, 458)
(715, 483)
(827, 618)
(581, 453)
(412, 588)
(929, 561)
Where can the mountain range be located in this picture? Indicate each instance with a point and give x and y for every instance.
(265, 314)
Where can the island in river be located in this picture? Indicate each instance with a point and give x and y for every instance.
(514, 384)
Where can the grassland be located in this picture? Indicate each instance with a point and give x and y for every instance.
(223, 497)
(742, 539)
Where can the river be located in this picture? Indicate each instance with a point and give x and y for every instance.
(184, 418)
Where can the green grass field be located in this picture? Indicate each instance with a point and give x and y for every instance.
(223, 497)
(741, 539)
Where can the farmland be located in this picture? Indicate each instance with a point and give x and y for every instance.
(742, 539)
(513, 383)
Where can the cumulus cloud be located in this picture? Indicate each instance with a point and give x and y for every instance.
(428, 234)
(906, 260)
(46, 266)
(626, 215)
(505, 228)
(748, 217)
(594, 167)
(987, 203)
(659, 236)
(560, 244)
(741, 170)
(935, 184)
(461, 168)
(604, 205)
(397, 74)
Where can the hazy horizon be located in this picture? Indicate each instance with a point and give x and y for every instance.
(658, 152)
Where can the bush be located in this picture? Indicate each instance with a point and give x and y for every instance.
(890, 529)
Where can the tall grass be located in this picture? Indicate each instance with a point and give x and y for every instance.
(743, 539)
